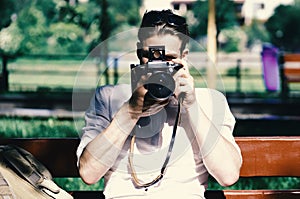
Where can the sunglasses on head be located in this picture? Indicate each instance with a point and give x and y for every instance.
(154, 18)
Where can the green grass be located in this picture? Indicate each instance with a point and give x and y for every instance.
(18, 127)
(62, 74)
(27, 74)
(251, 183)
(71, 184)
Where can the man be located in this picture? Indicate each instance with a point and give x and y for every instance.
(130, 138)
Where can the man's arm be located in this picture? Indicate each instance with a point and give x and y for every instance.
(212, 124)
(212, 127)
(101, 153)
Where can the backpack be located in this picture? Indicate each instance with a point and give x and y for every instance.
(22, 176)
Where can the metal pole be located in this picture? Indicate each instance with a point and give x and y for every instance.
(116, 74)
(211, 45)
(238, 76)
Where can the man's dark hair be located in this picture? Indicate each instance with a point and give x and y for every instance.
(164, 22)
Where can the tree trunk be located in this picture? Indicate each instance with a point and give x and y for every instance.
(4, 76)
(105, 33)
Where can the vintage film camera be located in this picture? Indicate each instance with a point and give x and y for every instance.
(160, 84)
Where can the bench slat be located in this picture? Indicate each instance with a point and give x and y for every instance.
(289, 74)
(270, 156)
(261, 194)
(291, 57)
(292, 71)
(262, 156)
(215, 194)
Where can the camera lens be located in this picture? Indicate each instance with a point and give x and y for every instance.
(160, 86)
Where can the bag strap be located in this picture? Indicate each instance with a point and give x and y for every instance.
(34, 162)
(31, 170)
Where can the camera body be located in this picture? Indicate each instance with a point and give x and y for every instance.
(160, 83)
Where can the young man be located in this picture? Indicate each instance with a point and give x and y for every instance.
(139, 144)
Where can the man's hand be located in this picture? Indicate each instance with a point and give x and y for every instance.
(141, 105)
(185, 89)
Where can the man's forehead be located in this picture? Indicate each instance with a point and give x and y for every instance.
(172, 43)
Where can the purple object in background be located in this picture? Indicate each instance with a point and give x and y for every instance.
(269, 56)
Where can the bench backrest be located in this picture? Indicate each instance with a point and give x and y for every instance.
(292, 72)
(262, 156)
(289, 70)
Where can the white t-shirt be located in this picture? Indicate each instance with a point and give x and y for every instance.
(185, 176)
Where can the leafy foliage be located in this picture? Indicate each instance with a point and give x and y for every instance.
(66, 37)
(8, 8)
(32, 24)
(226, 20)
(10, 39)
(225, 16)
(284, 27)
(56, 26)
(256, 33)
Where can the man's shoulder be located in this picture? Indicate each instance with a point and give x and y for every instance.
(120, 91)
(208, 92)
(117, 87)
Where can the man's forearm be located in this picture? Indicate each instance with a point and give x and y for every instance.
(220, 156)
(101, 153)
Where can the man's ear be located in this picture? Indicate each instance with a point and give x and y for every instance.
(185, 52)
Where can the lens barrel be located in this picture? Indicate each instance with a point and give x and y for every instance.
(160, 86)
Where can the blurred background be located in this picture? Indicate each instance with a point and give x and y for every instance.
(55, 52)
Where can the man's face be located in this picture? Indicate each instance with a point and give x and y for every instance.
(172, 46)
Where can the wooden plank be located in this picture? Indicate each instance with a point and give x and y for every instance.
(216, 194)
(262, 156)
(293, 57)
(262, 194)
(292, 71)
(270, 156)
(291, 74)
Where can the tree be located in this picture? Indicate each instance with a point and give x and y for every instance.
(225, 17)
(112, 16)
(66, 38)
(32, 24)
(284, 27)
(8, 8)
(91, 22)
(256, 33)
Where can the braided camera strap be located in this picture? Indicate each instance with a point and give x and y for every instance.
(135, 179)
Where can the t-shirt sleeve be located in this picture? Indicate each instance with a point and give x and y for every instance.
(214, 106)
(106, 101)
(97, 117)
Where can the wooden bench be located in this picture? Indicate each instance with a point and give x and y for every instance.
(262, 156)
(289, 65)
